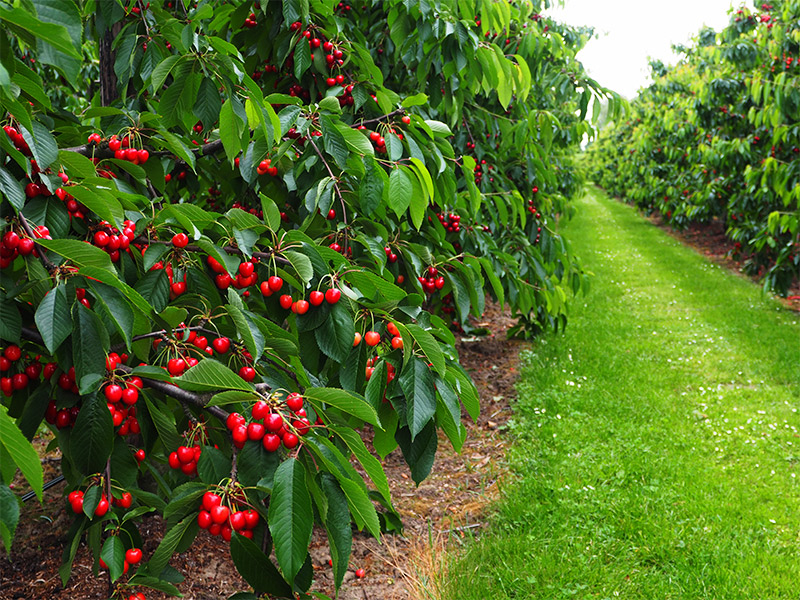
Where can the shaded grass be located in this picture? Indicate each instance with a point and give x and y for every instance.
(656, 445)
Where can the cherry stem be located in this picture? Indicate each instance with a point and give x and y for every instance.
(335, 187)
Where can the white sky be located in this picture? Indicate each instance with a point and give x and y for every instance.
(627, 32)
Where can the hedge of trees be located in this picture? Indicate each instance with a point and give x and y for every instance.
(718, 137)
(235, 234)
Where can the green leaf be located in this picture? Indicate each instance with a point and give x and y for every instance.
(415, 100)
(79, 253)
(22, 452)
(53, 318)
(113, 553)
(162, 71)
(372, 465)
(400, 190)
(337, 525)
(347, 402)
(92, 439)
(257, 569)
(12, 189)
(101, 202)
(10, 320)
(247, 329)
(55, 35)
(111, 304)
(9, 516)
(90, 345)
(302, 58)
(301, 264)
(174, 144)
(334, 141)
(230, 130)
(429, 346)
(290, 517)
(164, 422)
(208, 103)
(336, 333)
(416, 382)
(356, 140)
(361, 506)
(169, 543)
(76, 165)
(211, 375)
(420, 451)
(42, 144)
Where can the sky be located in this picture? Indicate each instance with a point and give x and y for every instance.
(627, 32)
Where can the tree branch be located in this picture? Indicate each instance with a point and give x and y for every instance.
(386, 117)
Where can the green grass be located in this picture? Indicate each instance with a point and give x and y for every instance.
(655, 443)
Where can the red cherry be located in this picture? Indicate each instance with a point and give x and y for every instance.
(176, 366)
(140, 455)
(130, 395)
(102, 507)
(331, 215)
(397, 342)
(372, 338)
(234, 420)
(237, 520)
(275, 283)
(265, 289)
(260, 410)
(239, 434)
(290, 440)
(246, 269)
(113, 393)
(300, 307)
(332, 295)
(210, 500)
(221, 344)
(273, 422)
(220, 514)
(133, 556)
(204, 519)
(294, 401)
(316, 298)
(360, 573)
(223, 281)
(251, 518)
(180, 240)
(357, 339)
(247, 373)
(271, 442)
(285, 301)
(13, 353)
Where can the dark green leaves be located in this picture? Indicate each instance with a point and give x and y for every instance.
(257, 569)
(90, 345)
(290, 517)
(335, 334)
(53, 318)
(417, 384)
(21, 451)
(92, 438)
(211, 375)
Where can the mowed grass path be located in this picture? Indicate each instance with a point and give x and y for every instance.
(656, 446)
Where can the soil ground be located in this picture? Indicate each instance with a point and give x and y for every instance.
(451, 501)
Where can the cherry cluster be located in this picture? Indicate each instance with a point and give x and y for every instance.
(10, 359)
(121, 401)
(372, 365)
(185, 459)
(112, 240)
(11, 246)
(17, 139)
(451, 222)
(447, 304)
(431, 281)
(266, 167)
(283, 423)
(222, 514)
(390, 256)
(245, 277)
(75, 499)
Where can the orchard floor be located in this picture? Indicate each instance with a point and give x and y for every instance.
(449, 509)
(653, 451)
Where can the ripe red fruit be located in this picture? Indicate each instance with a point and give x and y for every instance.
(332, 295)
(140, 455)
(285, 301)
(10, 240)
(176, 366)
(271, 442)
(255, 431)
(397, 342)
(113, 393)
(102, 507)
(204, 519)
(316, 298)
(13, 353)
(210, 500)
(133, 555)
(361, 573)
(260, 410)
(300, 307)
(372, 338)
(247, 373)
(265, 289)
(406, 119)
(185, 455)
(234, 420)
(215, 265)
(238, 521)
(331, 215)
(356, 339)
(251, 518)
(130, 395)
(246, 268)
(180, 240)
(127, 499)
(223, 281)
(143, 155)
(221, 344)
(220, 514)
(239, 435)
(275, 283)
(294, 401)
(392, 328)
(290, 440)
(273, 422)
